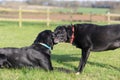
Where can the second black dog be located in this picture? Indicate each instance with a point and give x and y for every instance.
(36, 55)
(89, 37)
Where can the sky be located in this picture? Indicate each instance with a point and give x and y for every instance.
(12, 0)
(67, 0)
(88, 0)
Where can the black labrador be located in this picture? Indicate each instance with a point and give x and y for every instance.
(89, 37)
(36, 55)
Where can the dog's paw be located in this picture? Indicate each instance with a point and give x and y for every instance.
(77, 73)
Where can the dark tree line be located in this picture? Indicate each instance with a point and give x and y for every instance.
(63, 3)
(74, 3)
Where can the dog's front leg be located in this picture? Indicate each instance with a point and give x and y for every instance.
(46, 64)
(83, 60)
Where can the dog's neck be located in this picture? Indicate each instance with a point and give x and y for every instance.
(45, 45)
(72, 36)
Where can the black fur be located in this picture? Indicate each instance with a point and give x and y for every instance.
(89, 37)
(35, 55)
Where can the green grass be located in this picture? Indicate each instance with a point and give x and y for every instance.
(93, 10)
(100, 66)
(83, 10)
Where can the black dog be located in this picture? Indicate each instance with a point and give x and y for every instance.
(89, 37)
(36, 55)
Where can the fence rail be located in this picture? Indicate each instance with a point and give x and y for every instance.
(109, 20)
(47, 15)
(20, 18)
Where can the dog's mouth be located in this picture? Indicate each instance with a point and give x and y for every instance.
(56, 40)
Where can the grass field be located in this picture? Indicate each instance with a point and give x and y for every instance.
(100, 66)
(83, 10)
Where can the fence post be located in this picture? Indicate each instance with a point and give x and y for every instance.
(20, 17)
(91, 15)
(108, 17)
(48, 16)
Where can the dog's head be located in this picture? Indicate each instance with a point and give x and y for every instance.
(62, 34)
(45, 37)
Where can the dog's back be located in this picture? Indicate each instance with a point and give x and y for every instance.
(15, 57)
(101, 37)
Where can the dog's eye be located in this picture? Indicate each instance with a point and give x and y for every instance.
(58, 32)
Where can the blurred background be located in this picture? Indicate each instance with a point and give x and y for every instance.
(60, 10)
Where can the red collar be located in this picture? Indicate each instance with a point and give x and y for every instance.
(72, 37)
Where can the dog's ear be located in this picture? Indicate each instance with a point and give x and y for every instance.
(69, 31)
(65, 27)
(52, 39)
